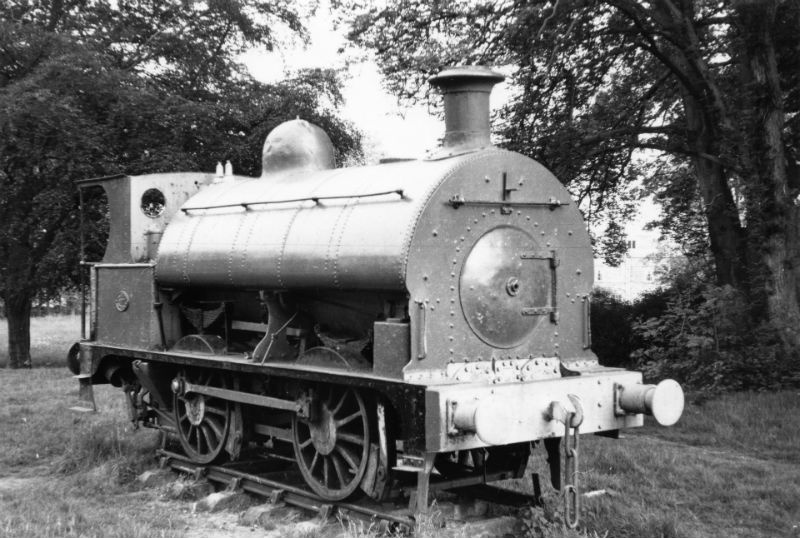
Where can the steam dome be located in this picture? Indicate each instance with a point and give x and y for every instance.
(297, 145)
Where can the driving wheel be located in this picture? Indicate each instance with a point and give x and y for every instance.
(203, 422)
(332, 449)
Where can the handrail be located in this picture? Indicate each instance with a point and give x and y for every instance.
(315, 199)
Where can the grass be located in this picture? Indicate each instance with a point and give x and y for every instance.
(73, 473)
(51, 338)
(762, 425)
(730, 468)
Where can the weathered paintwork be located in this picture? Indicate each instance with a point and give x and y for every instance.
(133, 234)
(417, 243)
(497, 190)
(353, 242)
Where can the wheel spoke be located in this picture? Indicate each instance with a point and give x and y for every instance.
(216, 427)
(314, 461)
(337, 466)
(326, 471)
(348, 419)
(350, 438)
(305, 443)
(349, 457)
(211, 441)
(216, 410)
(340, 403)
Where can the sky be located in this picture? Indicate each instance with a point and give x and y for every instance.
(390, 130)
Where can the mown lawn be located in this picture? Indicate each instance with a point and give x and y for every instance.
(730, 468)
(51, 338)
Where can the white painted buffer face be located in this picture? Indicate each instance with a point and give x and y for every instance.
(664, 401)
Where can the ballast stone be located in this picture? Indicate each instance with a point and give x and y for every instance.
(188, 490)
(223, 500)
(154, 478)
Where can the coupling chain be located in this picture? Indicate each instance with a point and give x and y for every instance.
(570, 484)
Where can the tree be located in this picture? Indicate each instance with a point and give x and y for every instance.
(90, 89)
(705, 86)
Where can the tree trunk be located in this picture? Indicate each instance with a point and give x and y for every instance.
(707, 124)
(18, 297)
(18, 315)
(725, 232)
(773, 217)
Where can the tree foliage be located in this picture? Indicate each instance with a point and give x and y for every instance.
(702, 335)
(97, 88)
(693, 331)
(707, 88)
(188, 47)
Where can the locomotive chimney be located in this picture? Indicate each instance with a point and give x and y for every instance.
(466, 105)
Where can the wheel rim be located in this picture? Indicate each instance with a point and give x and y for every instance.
(332, 451)
(202, 422)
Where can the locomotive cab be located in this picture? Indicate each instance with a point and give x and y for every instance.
(365, 322)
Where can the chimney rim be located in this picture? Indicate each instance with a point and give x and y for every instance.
(464, 73)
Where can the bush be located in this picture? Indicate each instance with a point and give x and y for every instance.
(613, 320)
(693, 331)
(706, 339)
(612, 328)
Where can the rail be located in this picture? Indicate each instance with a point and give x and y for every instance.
(277, 491)
(273, 486)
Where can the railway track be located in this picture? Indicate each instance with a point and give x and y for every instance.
(262, 478)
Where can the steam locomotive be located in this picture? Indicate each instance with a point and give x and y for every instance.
(423, 320)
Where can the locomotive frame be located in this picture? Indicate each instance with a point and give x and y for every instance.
(370, 324)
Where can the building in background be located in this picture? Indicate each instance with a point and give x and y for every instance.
(637, 273)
